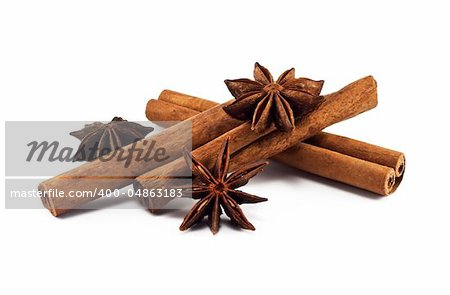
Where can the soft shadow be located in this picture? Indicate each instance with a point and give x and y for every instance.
(202, 225)
(276, 171)
(234, 226)
(127, 203)
(75, 212)
(102, 203)
(175, 213)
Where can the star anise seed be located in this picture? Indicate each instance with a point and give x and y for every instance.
(265, 101)
(217, 190)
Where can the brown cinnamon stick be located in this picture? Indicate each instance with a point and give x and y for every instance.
(339, 158)
(360, 150)
(340, 167)
(187, 101)
(93, 177)
(248, 146)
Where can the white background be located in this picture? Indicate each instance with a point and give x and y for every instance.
(92, 60)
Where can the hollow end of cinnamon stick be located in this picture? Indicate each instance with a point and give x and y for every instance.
(400, 166)
(390, 183)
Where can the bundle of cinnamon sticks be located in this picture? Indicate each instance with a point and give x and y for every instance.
(356, 163)
(353, 162)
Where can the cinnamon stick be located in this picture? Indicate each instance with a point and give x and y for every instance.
(359, 164)
(94, 177)
(187, 101)
(361, 150)
(248, 146)
(340, 167)
(165, 115)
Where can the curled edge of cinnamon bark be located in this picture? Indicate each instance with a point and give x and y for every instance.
(355, 98)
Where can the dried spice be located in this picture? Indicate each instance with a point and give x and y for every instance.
(98, 139)
(265, 101)
(217, 190)
(353, 99)
(355, 163)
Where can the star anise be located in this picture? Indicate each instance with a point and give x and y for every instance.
(98, 139)
(217, 189)
(265, 101)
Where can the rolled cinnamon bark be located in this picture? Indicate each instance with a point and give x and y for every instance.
(187, 101)
(360, 150)
(339, 158)
(95, 177)
(248, 146)
(340, 167)
(165, 115)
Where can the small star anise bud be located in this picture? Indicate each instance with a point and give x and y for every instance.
(265, 101)
(217, 190)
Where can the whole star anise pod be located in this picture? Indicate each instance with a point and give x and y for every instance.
(99, 139)
(217, 189)
(265, 101)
